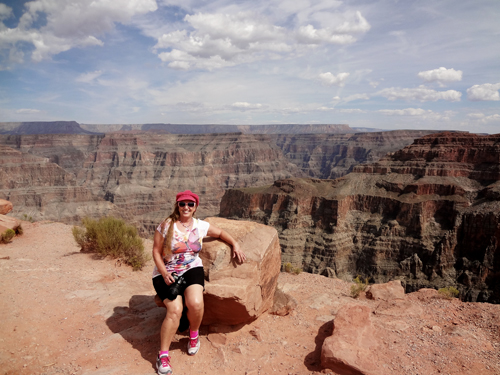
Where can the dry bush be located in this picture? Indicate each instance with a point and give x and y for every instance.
(112, 237)
(358, 287)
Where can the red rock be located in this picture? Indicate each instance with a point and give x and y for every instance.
(8, 222)
(283, 303)
(387, 291)
(352, 349)
(240, 293)
(5, 207)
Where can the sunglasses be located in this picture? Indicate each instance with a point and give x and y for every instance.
(182, 204)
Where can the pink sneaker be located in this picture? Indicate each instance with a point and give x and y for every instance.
(163, 365)
(194, 346)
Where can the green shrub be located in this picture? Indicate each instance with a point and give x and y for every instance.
(358, 287)
(449, 292)
(8, 235)
(112, 237)
(288, 267)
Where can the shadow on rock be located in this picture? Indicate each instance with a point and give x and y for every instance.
(313, 359)
(140, 324)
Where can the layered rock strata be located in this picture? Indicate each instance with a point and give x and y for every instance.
(428, 215)
(65, 177)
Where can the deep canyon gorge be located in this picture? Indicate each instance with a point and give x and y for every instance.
(405, 205)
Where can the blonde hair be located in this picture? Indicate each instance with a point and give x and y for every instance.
(170, 220)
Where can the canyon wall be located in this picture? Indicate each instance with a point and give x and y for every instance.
(428, 215)
(136, 175)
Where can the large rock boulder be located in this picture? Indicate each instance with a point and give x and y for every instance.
(351, 350)
(388, 291)
(8, 222)
(5, 207)
(240, 293)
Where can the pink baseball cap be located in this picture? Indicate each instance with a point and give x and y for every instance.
(188, 195)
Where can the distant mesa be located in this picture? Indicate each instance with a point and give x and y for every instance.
(50, 127)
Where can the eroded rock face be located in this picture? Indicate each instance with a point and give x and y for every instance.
(135, 176)
(428, 215)
(240, 293)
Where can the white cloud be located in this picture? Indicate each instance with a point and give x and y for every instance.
(88, 77)
(484, 118)
(217, 40)
(343, 33)
(485, 92)
(421, 93)
(350, 98)
(404, 112)
(418, 113)
(331, 80)
(351, 110)
(243, 106)
(28, 111)
(5, 11)
(69, 24)
(441, 75)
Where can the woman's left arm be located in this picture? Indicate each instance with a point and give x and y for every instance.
(216, 232)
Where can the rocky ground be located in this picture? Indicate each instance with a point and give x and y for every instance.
(66, 312)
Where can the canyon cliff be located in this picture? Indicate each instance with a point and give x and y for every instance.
(65, 177)
(428, 215)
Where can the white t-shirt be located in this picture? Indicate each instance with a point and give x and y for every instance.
(185, 247)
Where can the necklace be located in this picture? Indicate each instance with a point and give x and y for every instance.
(188, 225)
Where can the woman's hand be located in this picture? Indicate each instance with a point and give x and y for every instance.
(169, 279)
(238, 253)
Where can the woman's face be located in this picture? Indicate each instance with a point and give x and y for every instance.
(186, 209)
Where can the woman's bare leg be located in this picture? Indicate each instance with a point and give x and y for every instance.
(194, 302)
(171, 322)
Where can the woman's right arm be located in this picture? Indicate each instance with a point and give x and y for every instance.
(158, 258)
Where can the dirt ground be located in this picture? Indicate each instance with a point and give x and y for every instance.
(67, 312)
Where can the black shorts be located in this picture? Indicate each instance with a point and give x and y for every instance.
(192, 276)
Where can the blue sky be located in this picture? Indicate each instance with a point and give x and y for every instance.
(389, 64)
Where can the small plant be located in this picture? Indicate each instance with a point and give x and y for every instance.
(8, 235)
(449, 292)
(112, 237)
(27, 218)
(358, 286)
(291, 269)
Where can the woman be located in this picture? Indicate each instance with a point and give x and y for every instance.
(177, 243)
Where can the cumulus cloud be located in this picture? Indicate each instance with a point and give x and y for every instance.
(68, 24)
(343, 33)
(216, 40)
(333, 80)
(421, 93)
(5, 11)
(485, 92)
(441, 75)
